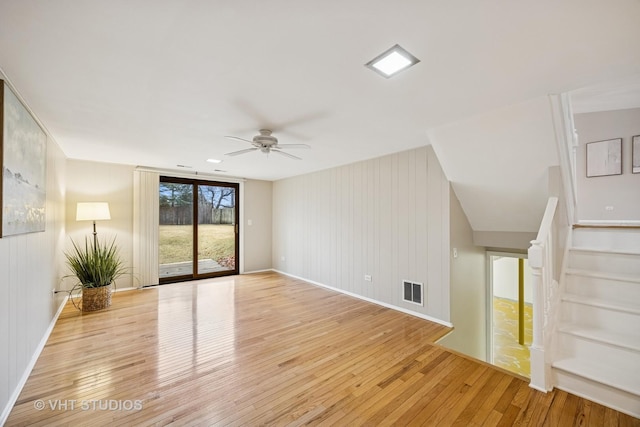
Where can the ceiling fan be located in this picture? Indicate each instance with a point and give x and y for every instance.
(266, 143)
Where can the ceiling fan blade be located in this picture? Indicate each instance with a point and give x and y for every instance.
(293, 146)
(235, 153)
(256, 114)
(273, 150)
(239, 139)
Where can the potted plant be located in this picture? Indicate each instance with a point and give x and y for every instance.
(96, 266)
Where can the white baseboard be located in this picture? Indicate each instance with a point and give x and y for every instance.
(126, 289)
(384, 304)
(32, 363)
(258, 271)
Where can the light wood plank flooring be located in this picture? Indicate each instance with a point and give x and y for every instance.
(265, 349)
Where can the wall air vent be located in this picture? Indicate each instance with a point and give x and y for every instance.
(412, 292)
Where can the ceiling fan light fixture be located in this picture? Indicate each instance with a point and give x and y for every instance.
(266, 143)
(392, 61)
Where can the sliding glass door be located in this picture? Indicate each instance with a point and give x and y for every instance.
(198, 229)
(216, 229)
(176, 230)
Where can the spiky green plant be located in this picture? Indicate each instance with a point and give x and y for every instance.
(97, 264)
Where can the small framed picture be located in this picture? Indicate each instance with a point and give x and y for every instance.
(635, 166)
(604, 158)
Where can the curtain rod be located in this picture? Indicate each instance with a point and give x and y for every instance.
(195, 174)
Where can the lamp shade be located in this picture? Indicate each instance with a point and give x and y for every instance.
(92, 211)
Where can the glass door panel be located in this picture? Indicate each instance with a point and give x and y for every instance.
(199, 230)
(176, 230)
(216, 228)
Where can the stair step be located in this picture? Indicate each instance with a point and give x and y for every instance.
(607, 224)
(623, 341)
(597, 340)
(572, 346)
(606, 276)
(622, 239)
(604, 251)
(605, 261)
(594, 382)
(605, 288)
(615, 317)
(631, 308)
(603, 373)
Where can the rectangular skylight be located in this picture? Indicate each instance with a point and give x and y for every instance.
(392, 61)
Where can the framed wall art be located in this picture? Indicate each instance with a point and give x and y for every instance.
(604, 158)
(635, 155)
(23, 146)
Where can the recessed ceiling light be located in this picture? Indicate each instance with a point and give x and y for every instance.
(392, 61)
(214, 161)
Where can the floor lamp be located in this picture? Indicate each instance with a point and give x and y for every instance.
(93, 211)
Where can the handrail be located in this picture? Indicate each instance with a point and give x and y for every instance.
(542, 263)
(547, 219)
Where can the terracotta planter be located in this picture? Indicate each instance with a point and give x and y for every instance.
(96, 298)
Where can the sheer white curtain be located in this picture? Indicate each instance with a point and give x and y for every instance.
(146, 185)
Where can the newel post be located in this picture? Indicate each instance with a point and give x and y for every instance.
(539, 377)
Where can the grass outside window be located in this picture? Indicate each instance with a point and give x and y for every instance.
(216, 242)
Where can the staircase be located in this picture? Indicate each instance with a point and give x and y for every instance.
(598, 334)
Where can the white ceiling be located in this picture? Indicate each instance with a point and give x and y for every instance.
(498, 164)
(616, 94)
(160, 83)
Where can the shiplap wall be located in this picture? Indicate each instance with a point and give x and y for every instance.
(387, 217)
(30, 267)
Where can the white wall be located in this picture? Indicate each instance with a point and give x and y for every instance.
(510, 240)
(386, 217)
(497, 163)
(102, 182)
(257, 236)
(113, 183)
(505, 279)
(622, 192)
(30, 267)
(468, 289)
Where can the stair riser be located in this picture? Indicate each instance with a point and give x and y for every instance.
(572, 346)
(624, 240)
(609, 320)
(619, 264)
(604, 289)
(577, 358)
(600, 393)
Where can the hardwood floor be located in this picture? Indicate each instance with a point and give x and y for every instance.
(265, 349)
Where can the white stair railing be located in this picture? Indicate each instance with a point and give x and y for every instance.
(544, 266)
